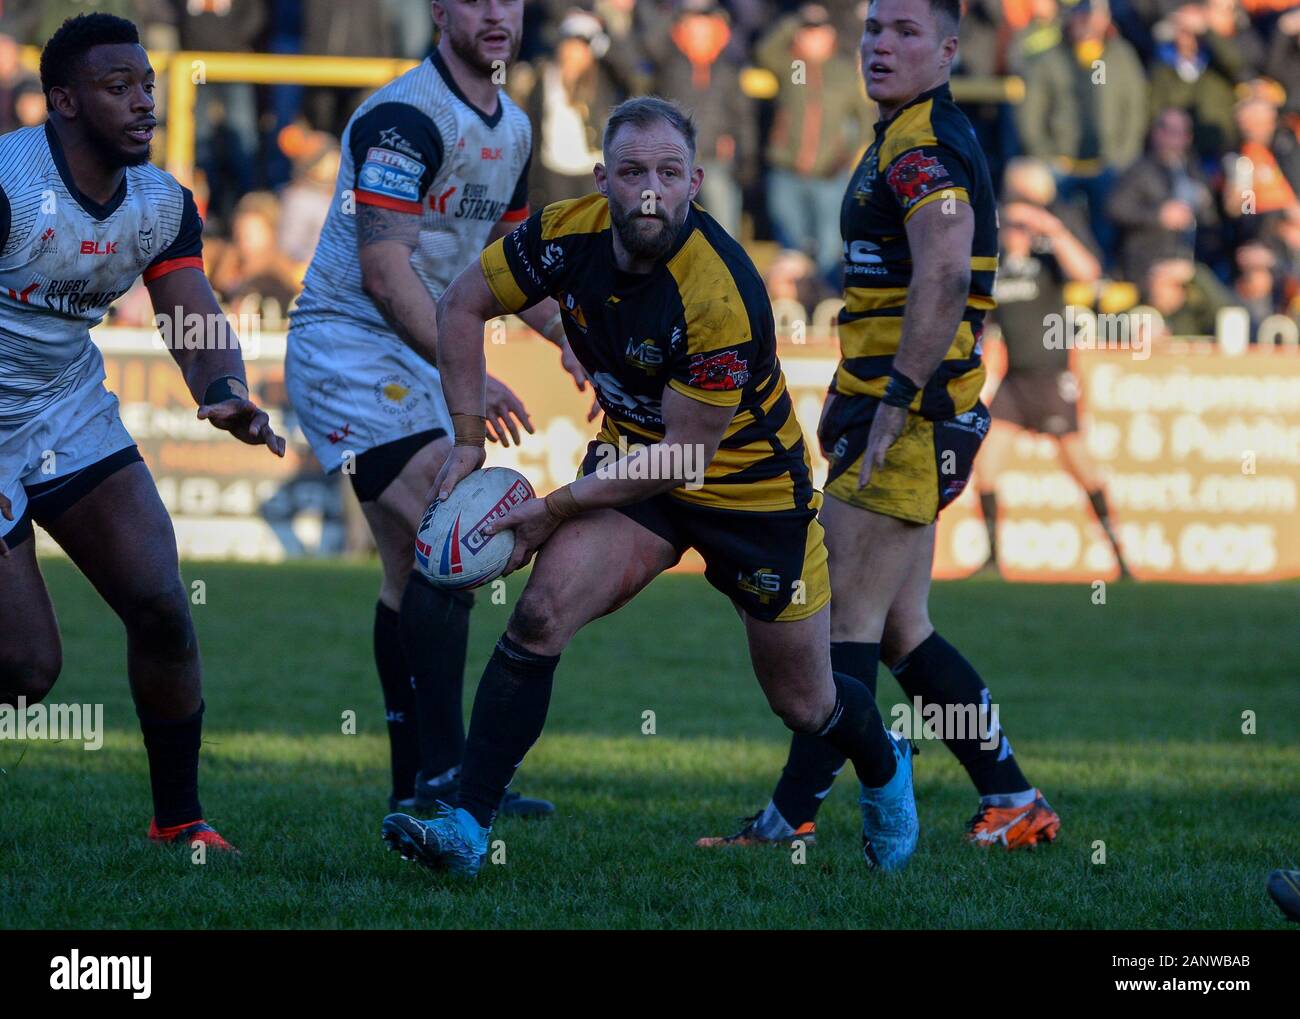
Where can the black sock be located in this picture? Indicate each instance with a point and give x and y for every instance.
(813, 763)
(435, 636)
(857, 731)
(989, 507)
(936, 672)
(399, 700)
(1102, 510)
(509, 712)
(173, 749)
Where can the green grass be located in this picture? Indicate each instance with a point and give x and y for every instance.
(1128, 715)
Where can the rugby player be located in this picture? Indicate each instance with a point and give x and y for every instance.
(82, 216)
(1040, 253)
(670, 319)
(434, 165)
(903, 420)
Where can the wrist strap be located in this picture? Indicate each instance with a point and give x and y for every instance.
(470, 430)
(228, 387)
(561, 503)
(901, 390)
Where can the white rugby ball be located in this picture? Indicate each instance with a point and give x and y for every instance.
(450, 546)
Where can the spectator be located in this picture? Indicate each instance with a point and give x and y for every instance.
(821, 123)
(568, 106)
(793, 276)
(1255, 188)
(305, 201)
(226, 142)
(1084, 110)
(1258, 286)
(13, 78)
(29, 104)
(1202, 53)
(1040, 34)
(690, 66)
(252, 265)
(1162, 207)
(1283, 62)
(1187, 297)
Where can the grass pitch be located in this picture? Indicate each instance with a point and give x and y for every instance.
(1129, 715)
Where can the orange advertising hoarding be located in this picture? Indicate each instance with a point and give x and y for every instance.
(1201, 451)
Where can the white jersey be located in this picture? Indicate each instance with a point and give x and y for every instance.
(418, 146)
(65, 258)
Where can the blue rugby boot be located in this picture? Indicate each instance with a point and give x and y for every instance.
(452, 841)
(889, 823)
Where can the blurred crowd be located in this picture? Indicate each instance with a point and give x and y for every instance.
(1169, 131)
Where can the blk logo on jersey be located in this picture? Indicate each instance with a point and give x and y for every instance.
(99, 247)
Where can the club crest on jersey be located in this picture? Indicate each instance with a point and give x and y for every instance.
(915, 175)
(394, 395)
(144, 238)
(722, 371)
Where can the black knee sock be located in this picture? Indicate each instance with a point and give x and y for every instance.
(813, 763)
(1102, 510)
(989, 507)
(936, 672)
(435, 635)
(509, 712)
(173, 749)
(399, 700)
(856, 730)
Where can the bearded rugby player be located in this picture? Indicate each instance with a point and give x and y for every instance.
(669, 317)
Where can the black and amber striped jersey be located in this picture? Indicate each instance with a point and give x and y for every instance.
(926, 152)
(700, 323)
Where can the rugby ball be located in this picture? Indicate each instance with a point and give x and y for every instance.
(451, 549)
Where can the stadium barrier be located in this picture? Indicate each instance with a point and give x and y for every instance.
(1202, 451)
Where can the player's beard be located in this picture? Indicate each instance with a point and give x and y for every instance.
(111, 152)
(636, 240)
(465, 47)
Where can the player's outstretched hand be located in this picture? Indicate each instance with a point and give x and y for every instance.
(461, 462)
(532, 523)
(503, 410)
(886, 427)
(6, 511)
(246, 421)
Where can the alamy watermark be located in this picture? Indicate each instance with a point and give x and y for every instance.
(182, 330)
(937, 721)
(80, 723)
(661, 461)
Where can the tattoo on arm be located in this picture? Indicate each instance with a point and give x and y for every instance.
(375, 224)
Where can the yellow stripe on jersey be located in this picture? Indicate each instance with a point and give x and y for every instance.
(713, 397)
(984, 263)
(716, 317)
(860, 299)
(911, 130)
(500, 280)
(560, 219)
(956, 194)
